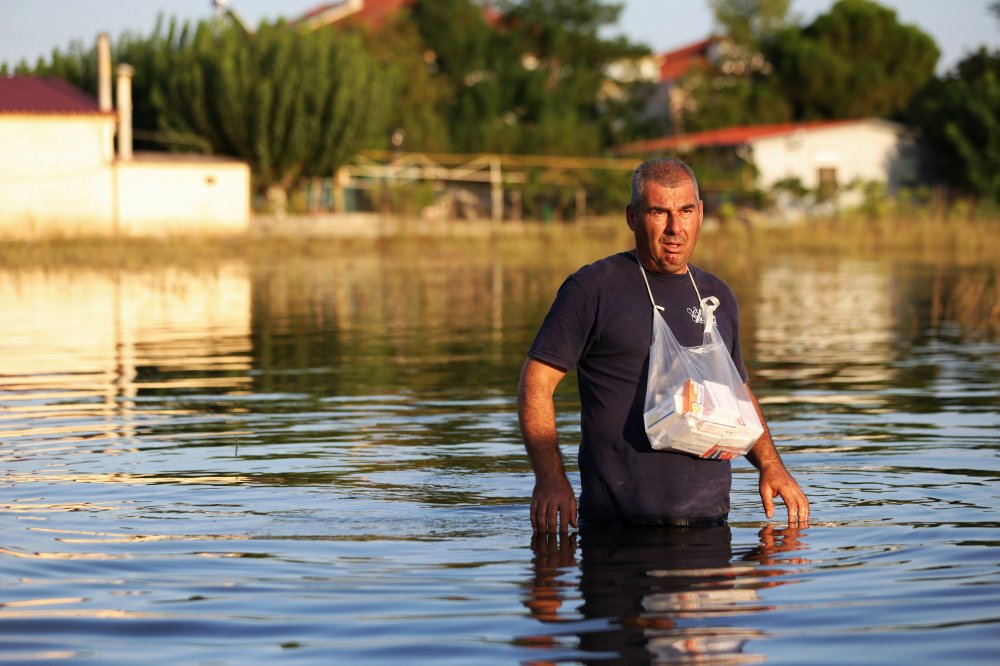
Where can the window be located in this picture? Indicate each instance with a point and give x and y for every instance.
(826, 183)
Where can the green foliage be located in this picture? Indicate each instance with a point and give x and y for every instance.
(469, 57)
(737, 87)
(750, 22)
(557, 68)
(292, 103)
(418, 94)
(530, 77)
(77, 65)
(959, 118)
(855, 61)
(725, 100)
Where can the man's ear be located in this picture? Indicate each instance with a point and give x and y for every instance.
(630, 216)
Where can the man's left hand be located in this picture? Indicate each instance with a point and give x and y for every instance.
(775, 481)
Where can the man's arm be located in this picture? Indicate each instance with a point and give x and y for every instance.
(775, 481)
(553, 504)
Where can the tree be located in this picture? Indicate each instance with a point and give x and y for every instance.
(518, 76)
(557, 71)
(750, 22)
(736, 87)
(959, 118)
(292, 103)
(418, 93)
(855, 61)
(468, 56)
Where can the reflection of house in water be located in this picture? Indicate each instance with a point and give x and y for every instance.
(112, 335)
(59, 172)
(832, 320)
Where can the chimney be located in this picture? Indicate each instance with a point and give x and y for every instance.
(104, 72)
(125, 73)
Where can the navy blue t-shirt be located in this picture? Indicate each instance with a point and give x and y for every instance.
(601, 323)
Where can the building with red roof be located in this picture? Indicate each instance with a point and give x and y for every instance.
(368, 13)
(678, 62)
(44, 96)
(60, 172)
(818, 154)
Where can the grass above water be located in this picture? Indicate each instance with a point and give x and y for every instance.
(917, 238)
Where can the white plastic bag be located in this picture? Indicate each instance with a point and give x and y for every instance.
(696, 401)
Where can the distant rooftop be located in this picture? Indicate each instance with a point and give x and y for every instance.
(725, 136)
(44, 95)
(676, 63)
(367, 12)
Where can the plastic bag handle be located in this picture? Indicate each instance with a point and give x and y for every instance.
(708, 305)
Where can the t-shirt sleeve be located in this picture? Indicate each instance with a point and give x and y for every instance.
(567, 327)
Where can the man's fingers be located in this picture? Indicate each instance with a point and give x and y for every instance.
(767, 497)
(544, 516)
(548, 516)
(798, 509)
(552, 518)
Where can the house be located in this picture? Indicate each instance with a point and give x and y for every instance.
(56, 152)
(60, 173)
(826, 154)
(679, 69)
(370, 13)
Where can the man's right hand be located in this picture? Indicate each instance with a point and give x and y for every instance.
(553, 506)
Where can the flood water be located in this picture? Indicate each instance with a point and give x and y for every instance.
(318, 461)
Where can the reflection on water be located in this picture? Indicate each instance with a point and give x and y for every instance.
(652, 595)
(319, 459)
(835, 323)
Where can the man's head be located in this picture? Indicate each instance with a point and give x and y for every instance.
(664, 214)
(667, 171)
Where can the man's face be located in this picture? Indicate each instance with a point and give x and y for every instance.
(666, 224)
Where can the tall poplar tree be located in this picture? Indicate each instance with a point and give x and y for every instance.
(292, 103)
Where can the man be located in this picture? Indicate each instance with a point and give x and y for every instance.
(601, 323)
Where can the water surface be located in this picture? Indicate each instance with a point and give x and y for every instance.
(317, 460)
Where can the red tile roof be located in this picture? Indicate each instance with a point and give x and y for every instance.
(372, 13)
(44, 95)
(724, 137)
(675, 64)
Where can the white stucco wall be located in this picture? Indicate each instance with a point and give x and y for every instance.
(867, 150)
(55, 174)
(169, 195)
(59, 177)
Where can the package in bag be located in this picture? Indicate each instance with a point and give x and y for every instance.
(696, 401)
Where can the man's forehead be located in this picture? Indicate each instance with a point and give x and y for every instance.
(680, 193)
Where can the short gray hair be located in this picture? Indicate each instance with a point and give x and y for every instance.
(666, 171)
